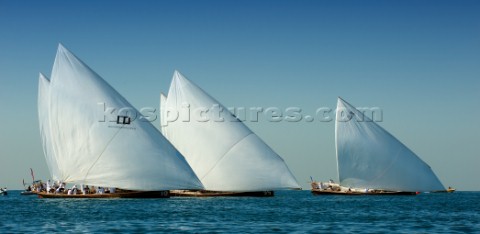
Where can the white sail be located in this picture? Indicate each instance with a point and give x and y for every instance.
(43, 100)
(226, 155)
(112, 148)
(370, 157)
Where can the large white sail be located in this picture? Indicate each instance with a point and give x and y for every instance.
(43, 100)
(370, 157)
(226, 155)
(99, 140)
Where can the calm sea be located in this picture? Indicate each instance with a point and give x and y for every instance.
(288, 211)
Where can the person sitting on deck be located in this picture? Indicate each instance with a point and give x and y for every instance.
(61, 187)
(101, 190)
(74, 189)
(86, 190)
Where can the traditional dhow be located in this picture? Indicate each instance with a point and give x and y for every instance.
(225, 154)
(370, 159)
(92, 135)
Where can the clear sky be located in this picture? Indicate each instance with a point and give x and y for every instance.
(419, 61)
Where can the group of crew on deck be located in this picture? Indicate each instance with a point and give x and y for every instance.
(60, 188)
(332, 186)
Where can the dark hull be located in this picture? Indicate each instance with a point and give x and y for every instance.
(206, 193)
(133, 194)
(379, 193)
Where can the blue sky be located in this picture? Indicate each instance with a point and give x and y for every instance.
(419, 61)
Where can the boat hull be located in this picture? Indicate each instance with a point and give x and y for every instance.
(207, 193)
(133, 194)
(343, 193)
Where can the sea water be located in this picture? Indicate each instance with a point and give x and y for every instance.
(288, 211)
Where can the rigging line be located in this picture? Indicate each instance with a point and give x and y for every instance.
(215, 165)
(103, 151)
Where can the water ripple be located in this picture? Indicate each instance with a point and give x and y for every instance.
(287, 212)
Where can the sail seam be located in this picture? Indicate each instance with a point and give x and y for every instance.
(223, 156)
(103, 151)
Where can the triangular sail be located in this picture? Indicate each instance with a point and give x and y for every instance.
(370, 157)
(43, 100)
(226, 155)
(99, 139)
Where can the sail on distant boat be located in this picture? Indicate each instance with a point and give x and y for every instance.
(370, 157)
(224, 153)
(92, 135)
